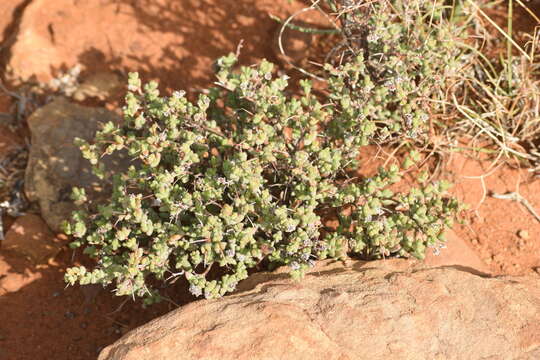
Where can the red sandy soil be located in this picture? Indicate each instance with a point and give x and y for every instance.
(503, 232)
(42, 319)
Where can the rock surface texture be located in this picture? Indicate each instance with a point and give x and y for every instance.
(458, 253)
(102, 86)
(55, 164)
(32, 238)
(159, 38)
(377, 310)
(7, 18)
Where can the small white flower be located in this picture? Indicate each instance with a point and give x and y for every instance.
(195, 290)
(223, 181)
(373, 37)
(390, 85)
(294, 265)
(290, 228)
(408, 120)
(179, 94)
(240, 257)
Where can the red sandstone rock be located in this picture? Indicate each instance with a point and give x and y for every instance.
(173, 41)
(456, 252)
(7, 16)
(375, 310)
(31, 237)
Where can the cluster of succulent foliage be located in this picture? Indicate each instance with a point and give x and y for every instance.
(248, 174)
(410, 57)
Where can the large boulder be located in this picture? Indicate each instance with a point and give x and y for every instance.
(378, 310)
(55, 164)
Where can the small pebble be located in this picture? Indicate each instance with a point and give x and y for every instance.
(84, 325)
(56, 294)
(524, 234)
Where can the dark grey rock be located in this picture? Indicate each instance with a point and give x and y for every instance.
(56, 165)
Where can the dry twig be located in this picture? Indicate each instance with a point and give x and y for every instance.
(515, 196)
